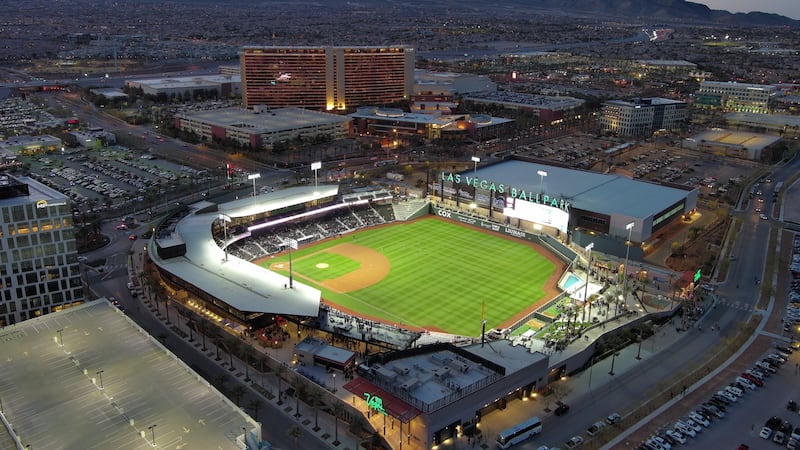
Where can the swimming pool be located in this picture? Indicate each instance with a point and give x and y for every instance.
(570, 281)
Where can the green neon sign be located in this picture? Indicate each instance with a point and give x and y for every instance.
(375, 402)
(697, 275)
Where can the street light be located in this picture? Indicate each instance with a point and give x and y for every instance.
(315, 166)
(254, 177)
(100, 375)
(542, 174)
(225, 219)
(588, 248)
(152, 429)
(628, 227)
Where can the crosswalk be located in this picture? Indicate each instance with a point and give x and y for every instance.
(734, 304)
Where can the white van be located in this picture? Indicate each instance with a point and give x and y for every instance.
(745, 382)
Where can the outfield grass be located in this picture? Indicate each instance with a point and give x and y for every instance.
(440, 275)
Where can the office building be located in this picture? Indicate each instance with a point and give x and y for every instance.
(38, 265)
(642, 116)
(734, 97)
(326, 77)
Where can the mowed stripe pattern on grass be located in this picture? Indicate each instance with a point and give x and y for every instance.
(441, 273)
(324, 266)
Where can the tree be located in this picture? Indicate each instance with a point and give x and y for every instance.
(315, 401)
(255, 406)
(279, 371)
(300, 390)
(338, 409)
(295, 432)
(219, 381)
(237, 392)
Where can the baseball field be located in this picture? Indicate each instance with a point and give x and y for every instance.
(427, 274)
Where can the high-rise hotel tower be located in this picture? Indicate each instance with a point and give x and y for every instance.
(329, 78)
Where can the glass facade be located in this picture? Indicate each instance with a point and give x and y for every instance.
(39, 272)
(325, 77)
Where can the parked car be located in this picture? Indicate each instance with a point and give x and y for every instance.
(595, 428)
(574, 442)
(753, 379)
(697, 417)
(684, 429)
(676, 435)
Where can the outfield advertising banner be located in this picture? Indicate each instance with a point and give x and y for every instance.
(485, 224)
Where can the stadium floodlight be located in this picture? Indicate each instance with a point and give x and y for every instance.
(315, 166)
(254, 177)
(588, 248)
(292, 246)
(628, 227)
(475, 160)
(225, 219)
(542, 174)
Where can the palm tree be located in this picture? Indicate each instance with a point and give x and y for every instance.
(300, 390)
(219, 381)
(338, 409)
(237, 392)
(315, 401)
(295, 432)
(255, 406)
(279, 371)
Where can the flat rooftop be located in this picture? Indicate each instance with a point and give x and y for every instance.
(753, 141)
(591, 191)
(37, 191)
(527, 100)
(270, 121)
(434, 377)
(52, 393)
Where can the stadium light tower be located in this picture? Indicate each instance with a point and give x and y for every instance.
(628, 227)
(315, 166)
(225, 219)
(475, 160)
(588, 248)
(542, 174)
(292, 246)
(254, 177)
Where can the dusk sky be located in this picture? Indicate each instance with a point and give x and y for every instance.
(788, 8)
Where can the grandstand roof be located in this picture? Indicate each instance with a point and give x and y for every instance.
(591, 191)
(239, 283)
(52, 393)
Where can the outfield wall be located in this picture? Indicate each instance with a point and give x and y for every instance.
(545, 240)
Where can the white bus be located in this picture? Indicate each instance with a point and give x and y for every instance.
(519, 432)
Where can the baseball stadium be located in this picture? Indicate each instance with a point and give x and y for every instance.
(423, 282)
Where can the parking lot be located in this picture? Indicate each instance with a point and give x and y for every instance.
(117, 178)
(661, 159)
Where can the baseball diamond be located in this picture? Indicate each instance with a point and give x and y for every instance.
(428, 274)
